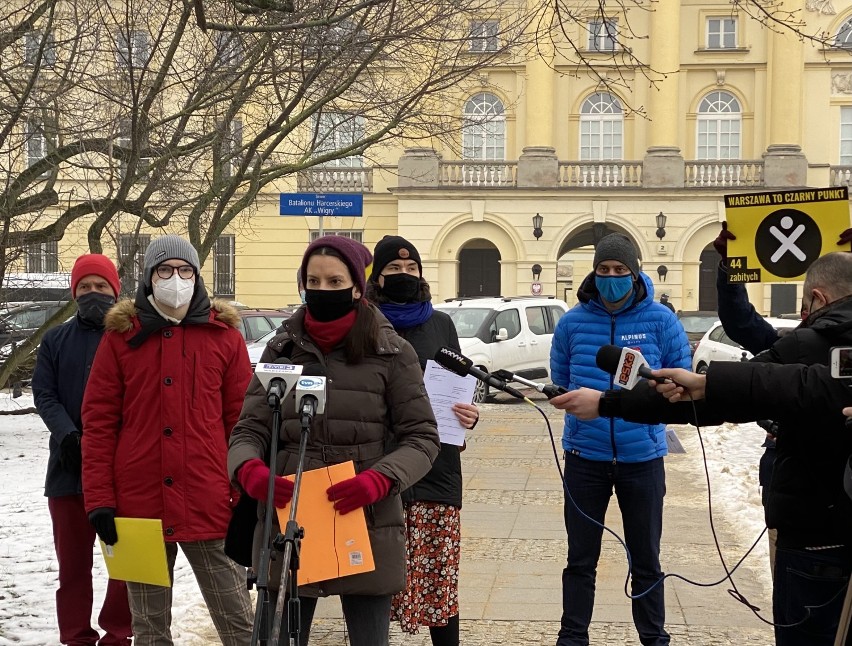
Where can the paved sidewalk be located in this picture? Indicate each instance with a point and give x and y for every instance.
(513, 550)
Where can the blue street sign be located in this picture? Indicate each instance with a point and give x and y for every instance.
(334, 204)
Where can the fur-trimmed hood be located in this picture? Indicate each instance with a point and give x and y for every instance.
(122, 315)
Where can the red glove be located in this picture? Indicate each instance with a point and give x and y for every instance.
(364, 489)
(720, 244)
(253, 476)
(845, 237)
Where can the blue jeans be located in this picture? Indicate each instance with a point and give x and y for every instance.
(639, 488)
(367, 619)
(809, 578)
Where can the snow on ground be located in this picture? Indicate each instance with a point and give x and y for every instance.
(28, 569)
(732, 455)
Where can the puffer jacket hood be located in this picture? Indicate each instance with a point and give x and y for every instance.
(122, 317)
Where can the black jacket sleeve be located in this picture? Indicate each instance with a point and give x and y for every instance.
(645, 405)
(739, 318)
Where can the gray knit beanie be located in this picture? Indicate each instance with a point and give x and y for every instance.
(167, 248)
(618, 247)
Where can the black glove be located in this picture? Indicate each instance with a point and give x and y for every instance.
(103, 520)
(720, 244)
(845, 237)
(70, 455)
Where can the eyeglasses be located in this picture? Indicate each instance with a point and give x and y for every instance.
(184, 271)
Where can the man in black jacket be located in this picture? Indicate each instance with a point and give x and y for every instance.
(62, 368)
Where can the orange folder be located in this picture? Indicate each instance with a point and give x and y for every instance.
(334, 545)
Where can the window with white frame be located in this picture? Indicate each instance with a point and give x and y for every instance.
(337, 131)
(484, 128)
(603, 35)
(721, 33)
(43, 257)
(132, 48)
(843, 36)
(846, 135)
(357, 236)
(484, 35)
(125, 141)
(132, 246)
(35, 53)
(230, 149)
(718, 126)
(229, 49)
(601, 127)
(224, 267)
(36, 142)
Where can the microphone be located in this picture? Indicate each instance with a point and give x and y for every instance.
(628, 366)
(278, 378)
(310, 391)
(461, 365)
(549, 390)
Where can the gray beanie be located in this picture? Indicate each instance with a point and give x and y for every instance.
(618, 247)
(167, 248)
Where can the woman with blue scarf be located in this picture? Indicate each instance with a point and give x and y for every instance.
(433, 504)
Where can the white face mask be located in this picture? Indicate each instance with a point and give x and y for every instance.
(174, 292)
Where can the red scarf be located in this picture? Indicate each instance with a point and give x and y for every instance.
(328, 334)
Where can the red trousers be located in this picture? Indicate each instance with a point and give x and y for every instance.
(74, 538)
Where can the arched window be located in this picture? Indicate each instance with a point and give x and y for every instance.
(601, 127)
(719, 126)
(843, 37)
(484, 128)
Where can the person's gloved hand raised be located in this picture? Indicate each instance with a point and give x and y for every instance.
(364, 489)
(103, 520)
(253, 477)
(720, 244)
(845, 238)
(70, 455)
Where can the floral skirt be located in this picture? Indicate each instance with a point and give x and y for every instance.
(433, 550)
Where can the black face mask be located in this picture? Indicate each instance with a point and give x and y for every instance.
(329, 304)
(401, 288)
(92, 307)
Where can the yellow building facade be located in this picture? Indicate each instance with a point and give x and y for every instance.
(711, 103)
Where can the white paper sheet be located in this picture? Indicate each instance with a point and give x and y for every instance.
(446, 388)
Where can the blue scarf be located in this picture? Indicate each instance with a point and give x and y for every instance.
(406, 315)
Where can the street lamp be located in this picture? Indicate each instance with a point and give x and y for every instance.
(536, 272)
(537, 222)
(662, 270)
(661, 225)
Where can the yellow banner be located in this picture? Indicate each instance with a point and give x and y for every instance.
(779, 234)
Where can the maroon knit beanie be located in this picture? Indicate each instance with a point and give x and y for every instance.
(355, 255)
(98, 265)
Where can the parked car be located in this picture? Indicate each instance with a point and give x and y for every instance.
(696, 323)
(506, 333)
(716, 345)
(255, 323)
(256, 348)
(19, 321)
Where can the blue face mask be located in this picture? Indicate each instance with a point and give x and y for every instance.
(302, 295)
(613, 288)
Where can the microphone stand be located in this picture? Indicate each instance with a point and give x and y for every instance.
(260, 630)
(290, 543)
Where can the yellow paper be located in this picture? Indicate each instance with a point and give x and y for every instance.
(334, 545)
(779, 234)
(140, 553)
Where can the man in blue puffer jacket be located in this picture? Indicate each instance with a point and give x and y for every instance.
(616, 307)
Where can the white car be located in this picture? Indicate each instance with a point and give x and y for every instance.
(716, 345)
(506, 333)
(256, 348)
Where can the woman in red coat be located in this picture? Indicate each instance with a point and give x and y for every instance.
(165, 390)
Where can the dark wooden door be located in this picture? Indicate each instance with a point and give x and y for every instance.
(479, 272)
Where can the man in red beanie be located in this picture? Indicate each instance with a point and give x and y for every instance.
(62, 368)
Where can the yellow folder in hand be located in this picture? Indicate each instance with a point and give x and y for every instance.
(334, 545)
(139, 555)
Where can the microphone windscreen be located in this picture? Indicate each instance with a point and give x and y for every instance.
(453, 361)
(608, 357)
(286, 360)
